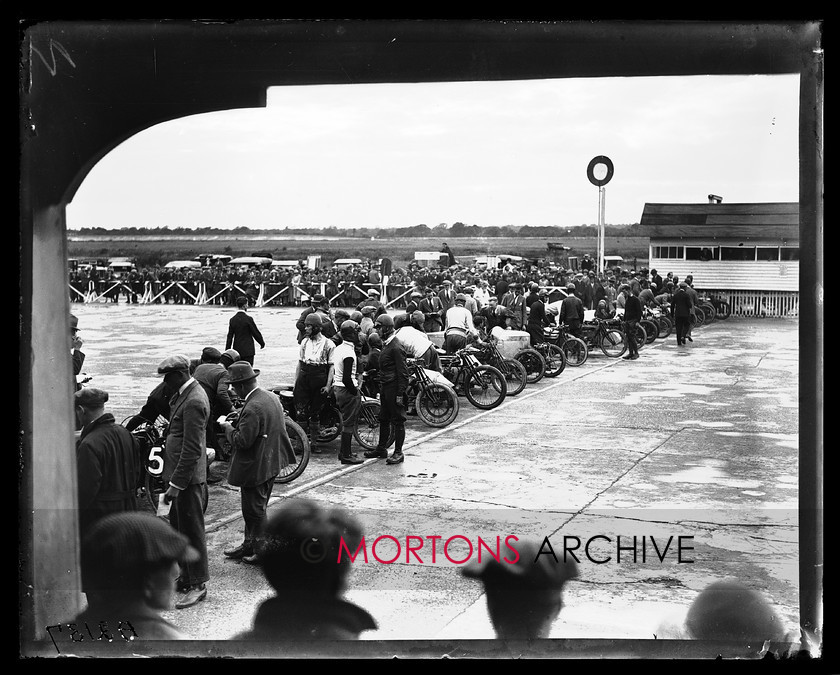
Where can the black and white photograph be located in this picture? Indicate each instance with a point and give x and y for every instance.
(421, 339)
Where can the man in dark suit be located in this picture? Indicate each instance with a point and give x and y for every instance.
(432, 309)
(261, 448)
(185, 470)
(447, 298)
(393, 381)
(681, 309)
(107, 463)
(571, 311)
(76, 353)
(243, 332)
(212, 376)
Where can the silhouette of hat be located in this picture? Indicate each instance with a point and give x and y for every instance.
(529, 571)
(241, 371)
(120, 546)
(173, 363)
(211, 353)
(232, 355)
(90, 397)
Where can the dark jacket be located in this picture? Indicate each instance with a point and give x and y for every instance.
(633, 308)
(393, 370)
(108, 469)
(213, 378)
(185, 455)
(681, 304)
(571, 311)
(301, 325)
(280, 618)
(242, 332)
(157, 405)
(260, 443)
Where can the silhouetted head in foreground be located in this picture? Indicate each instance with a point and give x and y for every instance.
(525, 597)
(728, 610)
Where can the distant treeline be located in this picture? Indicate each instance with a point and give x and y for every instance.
(443, 230)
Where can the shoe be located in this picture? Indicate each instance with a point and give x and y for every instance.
(396, 458)
(688, 337)
(634, 357)
(370, 454)
(192, 597)
(251, 559)
(351, 459)
(627, 358)
(239, 552)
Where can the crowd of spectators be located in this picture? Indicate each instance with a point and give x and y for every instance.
(347, 285)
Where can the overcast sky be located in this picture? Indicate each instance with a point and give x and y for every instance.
(482, 153)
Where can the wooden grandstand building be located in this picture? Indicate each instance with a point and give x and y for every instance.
(748, 254)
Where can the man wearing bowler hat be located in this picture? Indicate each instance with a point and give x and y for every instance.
(260, 449)
(185, 470)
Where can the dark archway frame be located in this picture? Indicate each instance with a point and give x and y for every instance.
(86, 86)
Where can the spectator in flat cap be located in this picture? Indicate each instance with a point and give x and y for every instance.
(243, 332)
(414, 302)
(212, 376)
(368, 313)
(299, 555)
(524, 596)
(372, 300)
(185, 470)
(107, 460)
(228, 357)
(129, 563)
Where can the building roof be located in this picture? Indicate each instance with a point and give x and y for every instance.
(725, 221)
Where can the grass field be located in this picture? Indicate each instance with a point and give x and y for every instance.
(399, 250)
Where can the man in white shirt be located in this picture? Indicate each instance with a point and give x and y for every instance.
(345, 387)
(313, 378)
(459, 326)
(482, 294)
(417, 345)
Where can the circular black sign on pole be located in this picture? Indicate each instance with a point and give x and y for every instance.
(597, 161)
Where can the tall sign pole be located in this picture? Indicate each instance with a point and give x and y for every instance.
(599, 172)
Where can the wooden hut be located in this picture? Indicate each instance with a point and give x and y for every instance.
(748, 254)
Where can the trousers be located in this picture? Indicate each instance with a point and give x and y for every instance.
(187, 516)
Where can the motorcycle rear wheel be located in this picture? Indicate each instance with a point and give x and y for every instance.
(300, 444)
(437, 405)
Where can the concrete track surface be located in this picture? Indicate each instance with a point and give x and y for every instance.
(697, 441)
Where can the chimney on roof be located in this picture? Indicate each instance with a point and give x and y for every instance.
(714, 199)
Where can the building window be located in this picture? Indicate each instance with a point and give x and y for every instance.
(737, 252)
(789, 253)
(701, 253)
(767, 253)
(671, 252)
